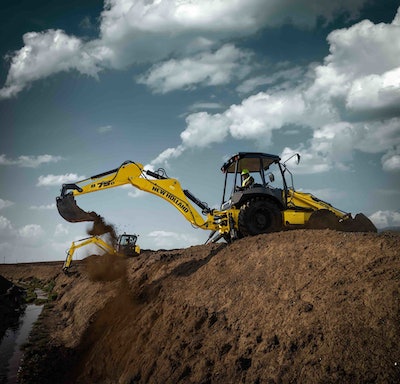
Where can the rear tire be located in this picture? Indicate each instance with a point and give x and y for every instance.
(259, 216)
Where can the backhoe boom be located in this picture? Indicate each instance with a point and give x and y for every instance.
(133, 173)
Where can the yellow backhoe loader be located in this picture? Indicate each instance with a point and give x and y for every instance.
(266, 205)
(126, 247)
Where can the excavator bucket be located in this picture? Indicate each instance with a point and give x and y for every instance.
(70, 211)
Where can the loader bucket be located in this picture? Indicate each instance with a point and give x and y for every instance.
(70, 211)
(360, 223)
(324, 219)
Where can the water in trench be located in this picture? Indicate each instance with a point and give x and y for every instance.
(10, 346)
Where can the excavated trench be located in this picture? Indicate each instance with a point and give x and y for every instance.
(15, 337)
(17, 319)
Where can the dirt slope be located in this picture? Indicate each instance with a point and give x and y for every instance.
(297, 306)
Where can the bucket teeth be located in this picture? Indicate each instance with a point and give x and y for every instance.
(70, 211)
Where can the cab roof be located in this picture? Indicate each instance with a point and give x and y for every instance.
(250, 161)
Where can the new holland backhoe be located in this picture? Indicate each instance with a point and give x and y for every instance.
(264, 206)
(126, 247)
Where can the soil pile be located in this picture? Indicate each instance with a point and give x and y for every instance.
(314, 306)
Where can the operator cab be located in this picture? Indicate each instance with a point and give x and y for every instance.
(262, 167)
(127, 245)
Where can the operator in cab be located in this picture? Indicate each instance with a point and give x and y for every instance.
(247, 179)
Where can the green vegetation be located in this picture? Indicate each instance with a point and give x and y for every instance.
(33, 286)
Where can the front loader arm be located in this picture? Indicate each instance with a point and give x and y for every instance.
(308, 201)
(132, 173)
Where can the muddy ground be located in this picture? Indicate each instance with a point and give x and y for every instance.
(300, 306)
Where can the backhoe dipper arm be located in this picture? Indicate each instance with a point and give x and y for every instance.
(133, 173)
(81, 243)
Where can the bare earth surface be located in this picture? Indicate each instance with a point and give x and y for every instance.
(300, 306)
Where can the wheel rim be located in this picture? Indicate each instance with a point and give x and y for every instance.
(262, 219)
(258, 216)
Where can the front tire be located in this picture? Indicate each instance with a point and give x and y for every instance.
(259, 216)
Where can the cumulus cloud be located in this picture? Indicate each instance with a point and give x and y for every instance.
(206, 68)
(350, 101)
(61, 230)
(147, 32)
(5, 224)
(26, 236)
(31, 235)
(257, 116)
(376, 92)
(29, 161)
(166, 239)
(124, 19)
(7, 231)
(332, 145)
(391, 160)
(328, 103)
(5, 203)
(31, 231)
(204, 129)
(361, 80)
(51, 180)
(42, 207)
(44, 54)
(16, 244)
(167, 154)
(384, 219)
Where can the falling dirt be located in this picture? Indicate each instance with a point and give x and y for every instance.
(108, 267)
(302, 306)
(100, 227)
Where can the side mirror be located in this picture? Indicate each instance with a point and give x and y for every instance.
(271, 177)
(297, 158)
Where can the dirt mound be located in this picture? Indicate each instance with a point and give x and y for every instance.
(297, 306)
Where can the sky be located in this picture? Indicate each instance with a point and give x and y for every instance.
(183, 85)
